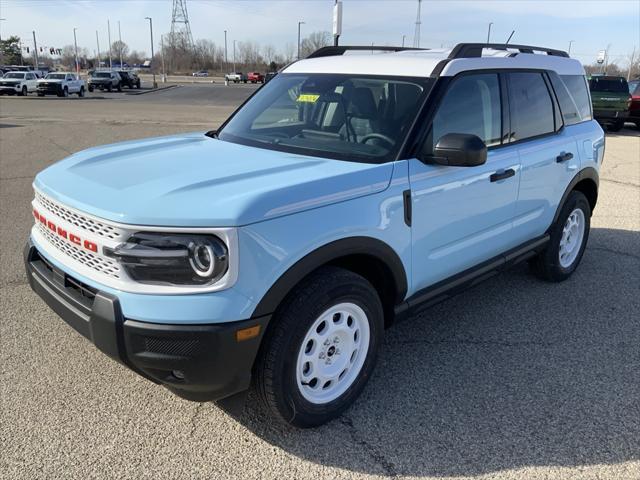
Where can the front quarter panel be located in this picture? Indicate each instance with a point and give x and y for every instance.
(268, 249)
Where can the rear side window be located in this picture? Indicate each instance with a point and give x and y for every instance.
(471, 105)
(577, 86)
(575, 107)
(530, 105)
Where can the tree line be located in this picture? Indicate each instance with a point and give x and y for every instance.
(178, 56)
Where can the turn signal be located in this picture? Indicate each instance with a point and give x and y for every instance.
(247, 333)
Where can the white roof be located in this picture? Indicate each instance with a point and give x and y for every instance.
(421, 63)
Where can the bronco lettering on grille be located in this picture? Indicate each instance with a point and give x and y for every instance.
(62, 233)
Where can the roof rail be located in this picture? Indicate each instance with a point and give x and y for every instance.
(340, 50)
(473, 50)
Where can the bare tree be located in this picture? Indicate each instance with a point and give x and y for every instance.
(120, 50)
(313, 42)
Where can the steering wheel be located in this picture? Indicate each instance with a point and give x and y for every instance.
(379, 136)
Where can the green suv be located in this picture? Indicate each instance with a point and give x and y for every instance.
(611, 100)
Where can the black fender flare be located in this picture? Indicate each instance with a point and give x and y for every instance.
(588, 173)
(327, 253)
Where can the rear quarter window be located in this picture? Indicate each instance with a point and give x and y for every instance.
(573, 97)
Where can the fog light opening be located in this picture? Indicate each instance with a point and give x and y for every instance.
(179, 374)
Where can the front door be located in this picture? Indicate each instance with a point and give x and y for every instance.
(463, 216)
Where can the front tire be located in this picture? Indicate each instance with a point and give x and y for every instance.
(65, 92)
(81, 92)
(568, 240)
(24, 91)
(90, 88)
(321, 348)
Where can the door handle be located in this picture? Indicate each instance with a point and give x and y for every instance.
(563, 157)
(510, 172)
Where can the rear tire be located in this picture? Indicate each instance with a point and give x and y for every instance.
(320, 349)
(90, 88)
(119, 87)
(40, 94)
(569, 235)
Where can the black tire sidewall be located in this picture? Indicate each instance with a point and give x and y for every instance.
(297, 319)
(575, 200)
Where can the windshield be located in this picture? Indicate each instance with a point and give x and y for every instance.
(611, 85)
(344, 117)
(55, 76)
(101, 74)
(14, 75)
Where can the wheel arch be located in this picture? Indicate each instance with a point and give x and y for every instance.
(367, 256)
(585, 181)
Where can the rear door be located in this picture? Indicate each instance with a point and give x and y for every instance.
(462, 216)
(548, 152)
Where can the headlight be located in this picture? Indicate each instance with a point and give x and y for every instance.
(173, 259)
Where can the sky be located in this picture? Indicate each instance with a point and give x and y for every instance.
(593, 25)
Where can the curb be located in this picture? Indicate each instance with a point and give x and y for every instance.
(153, 90)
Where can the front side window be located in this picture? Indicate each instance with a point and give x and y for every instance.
(471, 105)
(344, 117)
(530, 104)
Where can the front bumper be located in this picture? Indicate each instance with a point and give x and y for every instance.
(51, 89)
(10, 88)
(197, 362)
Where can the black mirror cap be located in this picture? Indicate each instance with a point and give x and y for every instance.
(459, 150)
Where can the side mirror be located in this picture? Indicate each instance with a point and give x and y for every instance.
(458, 150)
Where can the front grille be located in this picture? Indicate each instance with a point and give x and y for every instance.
(102, 229)
(98, 263)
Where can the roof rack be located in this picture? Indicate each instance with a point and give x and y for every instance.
(340, 50)
(473, 50)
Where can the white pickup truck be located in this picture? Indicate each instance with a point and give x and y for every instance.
(20, 83)
(236, 77)
(61, 84)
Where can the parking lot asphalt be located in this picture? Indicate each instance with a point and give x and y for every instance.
(513, 379)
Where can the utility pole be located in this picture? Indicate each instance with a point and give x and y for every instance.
(2, 20)
(403, 40)
(164, 75)
(98, 45)
(155, 84)
(633, 56)
(299, 23)
(234, 56)
(226, 60)
(337, 21)
(606, 59)
(489, 33)
(75, 46)
(35, 51)
(569, 51)
(109, 38)
(120, 45)
(416, 34)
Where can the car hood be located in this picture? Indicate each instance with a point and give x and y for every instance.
(192, 180)
(11, 80)
(50, 80)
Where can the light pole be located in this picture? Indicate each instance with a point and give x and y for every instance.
(75, 45)
(155, 84)
(226, 60)
(489, 33)
(299, 23)
(234, 56)
(569, 51)
(2, 20)
(109, 38)
(98, 45)
(403, 40)
(35, 50)
(164, 75)
(120, 44)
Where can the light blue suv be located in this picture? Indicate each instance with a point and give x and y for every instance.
(351, 190)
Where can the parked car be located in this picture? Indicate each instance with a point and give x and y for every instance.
(269, 76)
(18, 83)
(282, 245)
(105, 80)
(634, 108)
(255, 77)
(61, 84)
(129, 78)
(611, 100)
(200, 73)
(236, 77)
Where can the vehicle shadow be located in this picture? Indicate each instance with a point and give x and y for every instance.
(514, 373)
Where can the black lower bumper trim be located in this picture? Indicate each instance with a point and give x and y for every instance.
(197, 362)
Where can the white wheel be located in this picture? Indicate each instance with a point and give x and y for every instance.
(332, 353)
(572, 238)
